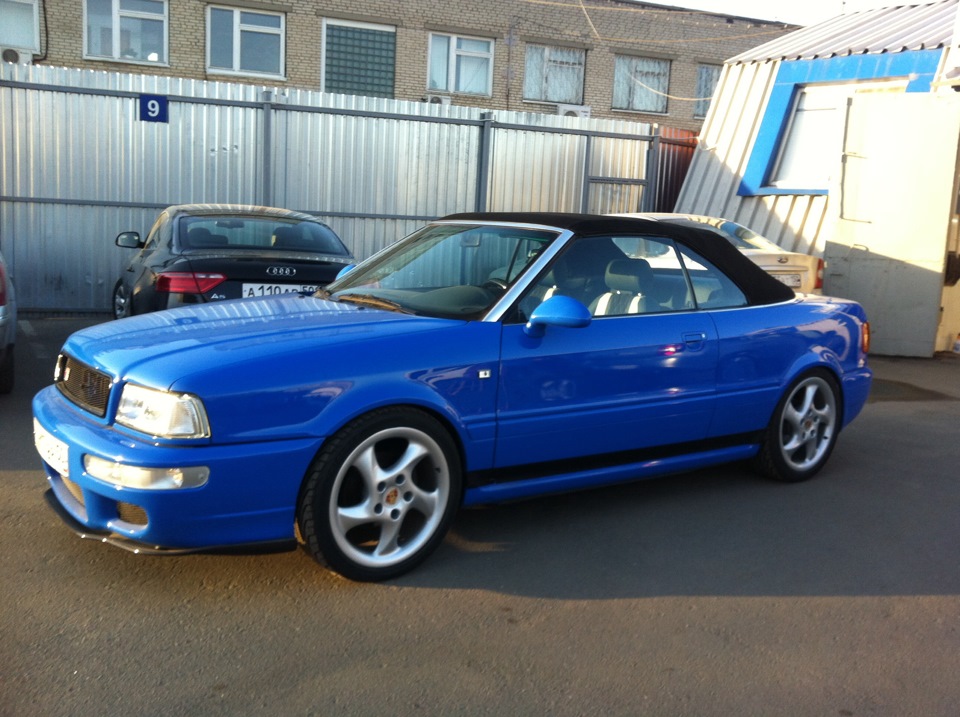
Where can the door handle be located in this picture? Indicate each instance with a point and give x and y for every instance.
(694, 339)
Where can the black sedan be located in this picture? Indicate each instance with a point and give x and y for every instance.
(197, 253)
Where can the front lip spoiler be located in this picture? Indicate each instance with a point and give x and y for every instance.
(105, 536)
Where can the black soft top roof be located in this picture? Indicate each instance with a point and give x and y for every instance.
(758, 286)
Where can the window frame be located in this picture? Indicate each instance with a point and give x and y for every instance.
(238, 29)
(35, 47)
(663, 107)
(547, 63)
(378, 27)
(453, 54)
(116, 14)
(917, 67)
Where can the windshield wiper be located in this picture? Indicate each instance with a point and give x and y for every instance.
(374, 301)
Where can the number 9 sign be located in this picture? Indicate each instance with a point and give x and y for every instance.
(154, 108)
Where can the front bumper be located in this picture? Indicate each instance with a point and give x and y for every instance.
(249, 499)
(106, 536)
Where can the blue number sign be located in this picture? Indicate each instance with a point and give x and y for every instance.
(154, 108)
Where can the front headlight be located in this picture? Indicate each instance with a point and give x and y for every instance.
(161, 413)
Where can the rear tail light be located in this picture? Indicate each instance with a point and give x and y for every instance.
(188, 282)
(819, 282)
(865, 337)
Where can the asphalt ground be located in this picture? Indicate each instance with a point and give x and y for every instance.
(707, 593)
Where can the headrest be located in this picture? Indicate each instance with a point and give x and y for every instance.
(632, 276)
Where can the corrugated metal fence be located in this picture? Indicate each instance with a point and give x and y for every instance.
(79, 163)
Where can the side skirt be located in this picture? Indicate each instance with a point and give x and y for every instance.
(512, 488)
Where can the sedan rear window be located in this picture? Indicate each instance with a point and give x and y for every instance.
(258, 233)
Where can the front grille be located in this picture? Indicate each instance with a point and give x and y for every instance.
(74, 489)
(85, 386)
(132, 514)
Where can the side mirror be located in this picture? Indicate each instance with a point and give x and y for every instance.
(129, 240)
(346, 270)
(557, 311)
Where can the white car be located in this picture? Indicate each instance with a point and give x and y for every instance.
(801, 272)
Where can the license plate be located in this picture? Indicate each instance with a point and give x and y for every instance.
(791, 280)
(52, 450)
(252, 290)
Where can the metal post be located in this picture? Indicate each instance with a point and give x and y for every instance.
(585, 187)
(484, 150)
(648, 202)
(266, 148)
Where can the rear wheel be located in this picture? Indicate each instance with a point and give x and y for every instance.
(121, 301)
(380, 495)
(803, 430)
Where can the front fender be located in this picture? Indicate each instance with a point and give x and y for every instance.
(473, 426)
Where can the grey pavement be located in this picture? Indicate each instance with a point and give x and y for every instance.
(711, 593)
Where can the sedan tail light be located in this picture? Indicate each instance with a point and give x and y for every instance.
(188, 282)
(865, 337)
(819, 282)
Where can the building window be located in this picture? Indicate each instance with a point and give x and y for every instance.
(460, 64)
(641, 84)
(245, 42)
(126, 30)
(20, 27)
(811, 145)
(554, 74)
(358, 58)
(707, 78)
(914, 71)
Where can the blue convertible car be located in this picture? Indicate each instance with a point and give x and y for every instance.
(484, 358)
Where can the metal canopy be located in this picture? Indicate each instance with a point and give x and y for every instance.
(892, 29)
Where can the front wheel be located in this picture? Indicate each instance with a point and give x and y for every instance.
(380, 495)
(121, 301)
(803, 430)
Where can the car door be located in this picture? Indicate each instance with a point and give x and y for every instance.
(642, 374)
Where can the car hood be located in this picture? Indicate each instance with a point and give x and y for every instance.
(163, 349)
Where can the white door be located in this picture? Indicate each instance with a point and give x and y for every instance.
(895, 203)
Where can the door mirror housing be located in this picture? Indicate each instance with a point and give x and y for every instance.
(129, 240)
(561, 311)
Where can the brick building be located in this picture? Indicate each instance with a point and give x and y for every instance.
(606, 58)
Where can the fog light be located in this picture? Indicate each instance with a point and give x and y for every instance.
(145, 478)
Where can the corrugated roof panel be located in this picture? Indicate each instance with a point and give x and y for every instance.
(891, 29)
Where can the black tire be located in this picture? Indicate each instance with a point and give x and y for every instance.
(380, 495)
(6, 371)
(121, 301)
(803, 430)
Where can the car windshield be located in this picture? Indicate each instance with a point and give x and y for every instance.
(445, 270)
(258, 234)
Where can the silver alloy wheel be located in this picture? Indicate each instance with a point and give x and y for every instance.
(120, 302)
(808, 423)
(389, 497)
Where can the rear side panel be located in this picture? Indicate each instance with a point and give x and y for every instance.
(763, 349)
